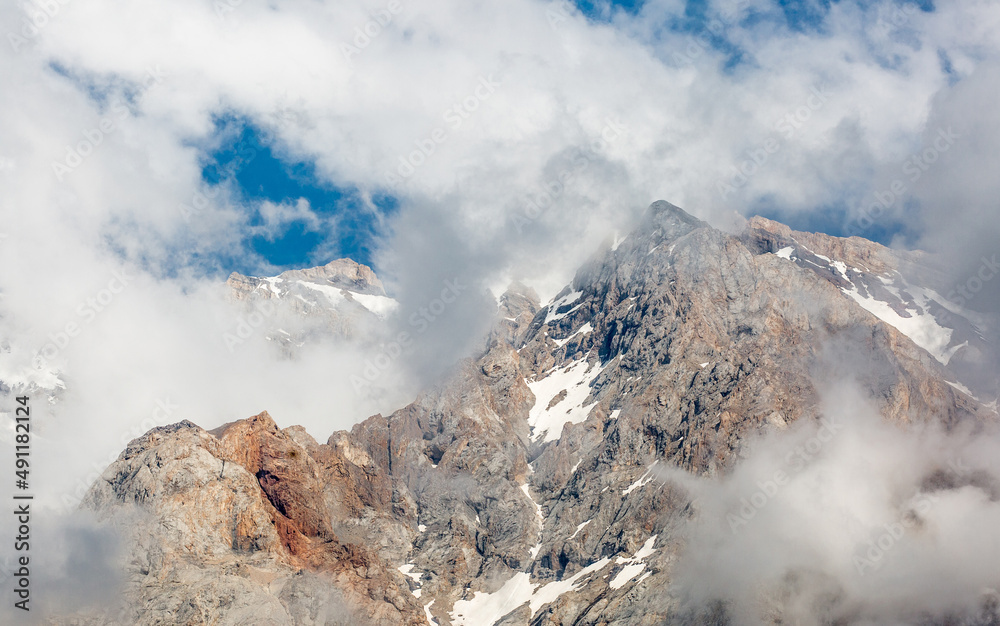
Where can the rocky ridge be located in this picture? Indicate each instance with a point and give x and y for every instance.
(524, 488)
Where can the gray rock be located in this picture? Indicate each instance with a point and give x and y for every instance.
(673, 350)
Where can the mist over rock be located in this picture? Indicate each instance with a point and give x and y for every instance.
(562, 474)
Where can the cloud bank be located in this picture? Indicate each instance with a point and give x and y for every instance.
(849, 520)
(515, 137)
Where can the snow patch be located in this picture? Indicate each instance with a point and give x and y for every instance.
(627, 573)
(583, 330)
(533, 552)
(785, 253)
(484, 609)
(570, 298)
(381, 306)
(633, 566)
(963, 389)
(538, 507)
(406, 570)
(539, 517)
(272, 285)
(332, 293)
(547, 422)
(579, 528)
(427, 612)
(643, 480)
(841, 268)
(921, 328)
(553, 590)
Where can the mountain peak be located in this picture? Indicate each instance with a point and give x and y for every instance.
(343, 273)
(669, 220)
(666, 353)
(663, 211)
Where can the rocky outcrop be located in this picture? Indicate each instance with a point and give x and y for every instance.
(231, 527)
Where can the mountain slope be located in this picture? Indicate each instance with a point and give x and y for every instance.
(531, 486)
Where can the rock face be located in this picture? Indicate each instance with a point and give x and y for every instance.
(900, 288)
(519, 490)
(232, 527)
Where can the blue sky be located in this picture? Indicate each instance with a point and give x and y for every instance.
(799, 15)
(344, 224)
(259, 171)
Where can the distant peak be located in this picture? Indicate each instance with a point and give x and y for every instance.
(342, 273)
(517, 288)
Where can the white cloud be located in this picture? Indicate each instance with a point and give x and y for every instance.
(553, 90)
(848, 519)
